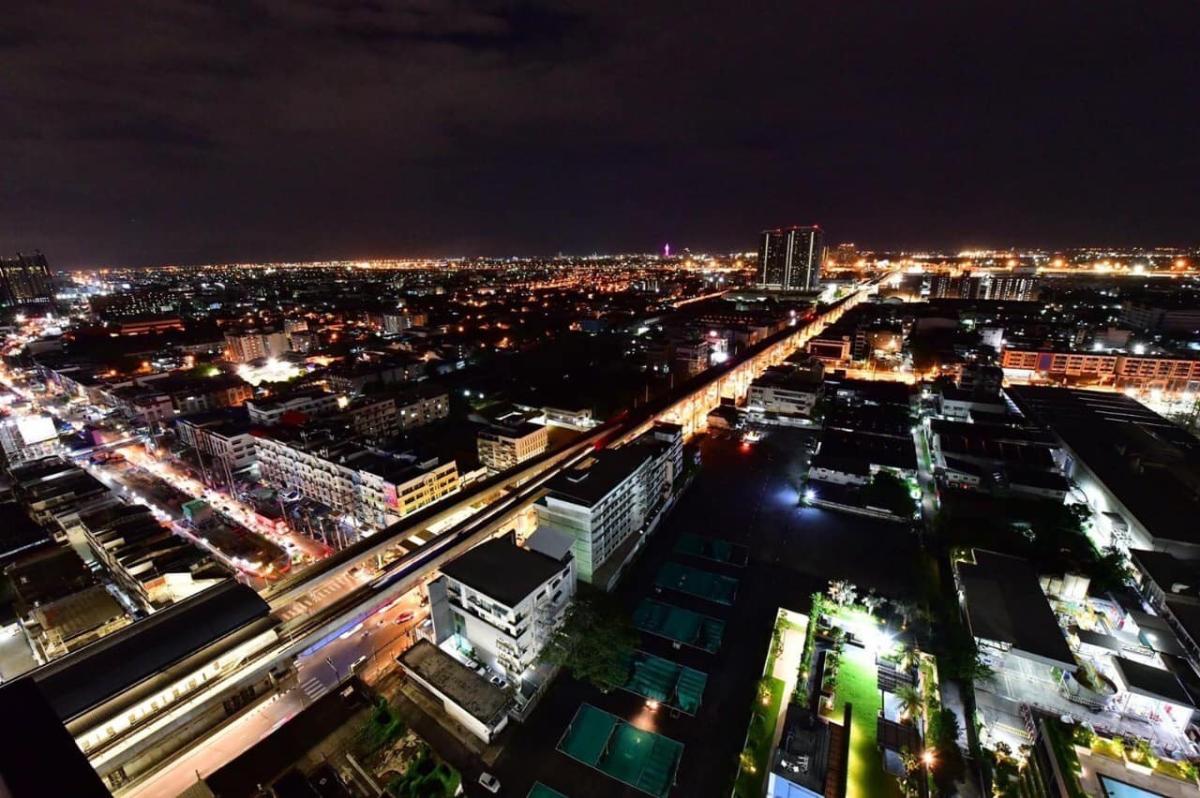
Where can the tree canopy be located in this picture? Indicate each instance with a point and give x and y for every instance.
(594, 642)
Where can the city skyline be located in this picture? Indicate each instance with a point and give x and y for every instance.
(204, 135)
(553, 399)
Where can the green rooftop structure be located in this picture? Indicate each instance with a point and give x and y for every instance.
(641, 759)
(713, 549)
(666, 682)
(695, 582)
(540, 790)
(679, 625)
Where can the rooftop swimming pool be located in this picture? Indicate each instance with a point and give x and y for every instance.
(1119, 789)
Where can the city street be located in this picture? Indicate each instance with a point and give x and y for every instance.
(378, 642)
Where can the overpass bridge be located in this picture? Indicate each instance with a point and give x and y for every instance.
(304, 624)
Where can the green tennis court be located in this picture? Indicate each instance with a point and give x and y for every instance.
(695, 582)
(540, 790)
(666, 682)
(641, 759)
(713, 549)
(679, 625)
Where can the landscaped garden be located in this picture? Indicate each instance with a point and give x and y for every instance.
(857, 686)
(756, 758)
(770, 703)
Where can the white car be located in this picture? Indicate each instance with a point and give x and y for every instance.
(490, 783)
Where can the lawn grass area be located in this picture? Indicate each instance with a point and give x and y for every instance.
(755, 764)
(857, 685)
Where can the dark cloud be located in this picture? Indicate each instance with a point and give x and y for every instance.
(174, 130)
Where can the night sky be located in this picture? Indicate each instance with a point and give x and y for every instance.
(188, 132)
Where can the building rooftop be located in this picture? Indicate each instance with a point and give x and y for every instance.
(788, 379)
(598, 475)
(1148, 463)
(1005, 603)
(1173, 576)
(503, 570)
(840, 448)
(95, 673)
(483, 700)
(40, 757)
(48, 574)
(19, 532)
(890, 420)
(877, 392)
(286, 400)
(79, 612)
(554, 543)
(1152, 682)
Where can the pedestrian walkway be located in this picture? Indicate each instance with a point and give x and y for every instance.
(313, 688)
(679, 625)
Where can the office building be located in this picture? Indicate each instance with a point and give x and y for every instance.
(511, 440)
(25, 280)
(789, 259)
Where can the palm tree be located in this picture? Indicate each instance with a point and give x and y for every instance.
(911, 705)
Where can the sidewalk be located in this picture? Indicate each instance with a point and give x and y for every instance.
(952, 700)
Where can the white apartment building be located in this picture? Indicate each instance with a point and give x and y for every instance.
(783, 391)
(229, 444)
(313, 402)
(504, 601)
(511, 440)
(611, 499)
(371, 488)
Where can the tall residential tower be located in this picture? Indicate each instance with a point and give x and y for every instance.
(25, 280)
(789, 259)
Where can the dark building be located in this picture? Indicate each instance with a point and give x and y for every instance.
(998, 286)
(789, 259)
(25, 280)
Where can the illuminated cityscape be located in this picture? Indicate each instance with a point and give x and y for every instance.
(554, 400)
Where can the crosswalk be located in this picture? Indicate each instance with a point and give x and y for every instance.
(313, 688)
